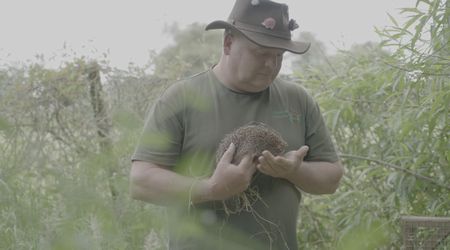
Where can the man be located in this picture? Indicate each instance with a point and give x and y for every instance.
(174, 162)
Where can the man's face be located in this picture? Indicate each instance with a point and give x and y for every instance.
(255, 67)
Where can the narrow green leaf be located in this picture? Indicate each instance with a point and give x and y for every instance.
(393, 19)
(410, 22)
(410, 10)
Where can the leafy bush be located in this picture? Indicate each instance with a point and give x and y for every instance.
(66, 136)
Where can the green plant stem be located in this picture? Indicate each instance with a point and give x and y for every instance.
(390, 165)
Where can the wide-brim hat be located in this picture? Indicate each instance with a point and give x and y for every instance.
(263, 22)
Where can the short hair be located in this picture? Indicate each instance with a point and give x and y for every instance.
(227, 32)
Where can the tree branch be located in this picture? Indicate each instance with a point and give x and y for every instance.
(390, 165)
(411, 70)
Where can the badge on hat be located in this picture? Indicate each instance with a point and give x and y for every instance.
(269, 23)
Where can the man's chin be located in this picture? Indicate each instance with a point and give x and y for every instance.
(260, 87)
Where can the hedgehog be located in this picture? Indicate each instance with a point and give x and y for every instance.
(251, 139)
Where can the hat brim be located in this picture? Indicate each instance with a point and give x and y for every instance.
(264, 40)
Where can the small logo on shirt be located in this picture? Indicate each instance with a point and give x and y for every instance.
(293, 117)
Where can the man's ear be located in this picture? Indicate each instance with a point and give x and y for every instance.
(227, 42)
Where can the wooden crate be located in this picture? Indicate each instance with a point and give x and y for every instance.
(427, 233)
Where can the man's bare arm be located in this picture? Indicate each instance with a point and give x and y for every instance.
(160, 185)
(318, 177)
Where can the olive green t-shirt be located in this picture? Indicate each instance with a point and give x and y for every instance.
(183, 131)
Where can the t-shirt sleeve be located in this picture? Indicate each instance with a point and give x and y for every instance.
(161, 138)
(321, 146)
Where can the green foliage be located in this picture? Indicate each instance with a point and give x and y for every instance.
(194, 51)
(316, 54)
(64, 179)
(388, 113)
(56, 180)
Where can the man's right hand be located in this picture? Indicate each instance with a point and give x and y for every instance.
(160, 185)
(229, 179)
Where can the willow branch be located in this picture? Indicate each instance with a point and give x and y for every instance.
(390, 165)
(411, 70)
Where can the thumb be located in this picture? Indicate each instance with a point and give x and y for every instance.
(302, 151)
(227, 157)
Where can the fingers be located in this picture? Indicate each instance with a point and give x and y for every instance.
(270, 158)
(270, 163)
(247, 162)
(227, 157)
(264, 166)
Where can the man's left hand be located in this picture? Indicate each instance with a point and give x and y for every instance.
(281, 166)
